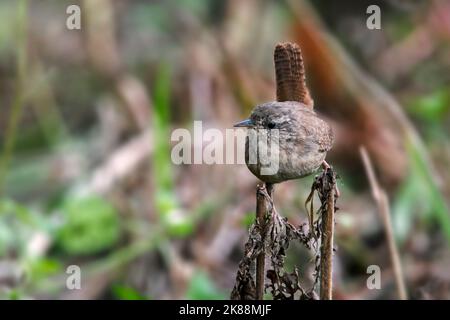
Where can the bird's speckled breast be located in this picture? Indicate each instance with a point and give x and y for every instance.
(293, 164)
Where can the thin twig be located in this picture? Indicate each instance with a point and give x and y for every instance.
(381, 199)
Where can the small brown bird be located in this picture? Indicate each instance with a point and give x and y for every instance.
(303, 139)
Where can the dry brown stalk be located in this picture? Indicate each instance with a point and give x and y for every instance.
(380, 197)
(260, 260)
(326, 250)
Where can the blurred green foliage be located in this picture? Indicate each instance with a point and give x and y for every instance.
(248, 219)
(406, 206)
(433, 106)
(91, 226)
(178, 223)
(17, 223)
(43, 268)
(201, 287)
(124, 292)
(419, 194)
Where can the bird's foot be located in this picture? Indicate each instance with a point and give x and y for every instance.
(325, 165)
(336, 191)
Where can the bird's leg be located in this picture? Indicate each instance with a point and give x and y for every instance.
(336, 191)
(325, 165)
(269, 189)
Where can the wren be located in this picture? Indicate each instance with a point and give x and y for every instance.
(303, 139)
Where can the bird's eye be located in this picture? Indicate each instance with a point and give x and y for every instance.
(271, 125)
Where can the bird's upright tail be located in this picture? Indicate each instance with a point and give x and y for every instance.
(290, 74)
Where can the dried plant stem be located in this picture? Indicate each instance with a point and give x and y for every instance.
(260, 260)
(261, 210)
(326, 250)
(381, 199)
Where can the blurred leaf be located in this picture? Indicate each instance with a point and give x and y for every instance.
(430, 193)
(267, 296)
(165, 201)
(18, 224)
(14, 294)
(162, 95)
(202, 288)
(6, 238)
(176, 220)
(26, 174)
(91, 226)
(162, 161)
(179, 225)
(406, 206)
(8, 206)
(42, 268)
(124, 292)
(433, 106)
(248, 219)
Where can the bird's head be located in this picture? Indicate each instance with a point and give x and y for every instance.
(272, 115)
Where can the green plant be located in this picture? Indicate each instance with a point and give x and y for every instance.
(91, 225)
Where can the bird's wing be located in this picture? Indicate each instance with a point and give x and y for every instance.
(325, 136)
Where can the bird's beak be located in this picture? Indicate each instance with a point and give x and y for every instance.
(245, 123)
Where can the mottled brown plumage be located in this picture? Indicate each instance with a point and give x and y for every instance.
(303, 139)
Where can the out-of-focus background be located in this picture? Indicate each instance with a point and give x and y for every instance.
(86, 176)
